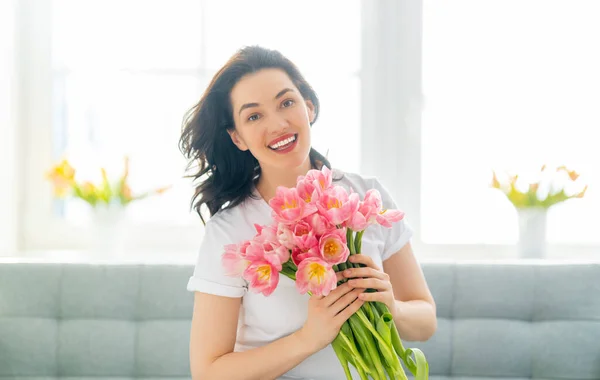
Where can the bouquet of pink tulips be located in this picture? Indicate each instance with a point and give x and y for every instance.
(316, 227)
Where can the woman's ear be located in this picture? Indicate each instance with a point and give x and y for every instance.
(237, 140)
(311, 111)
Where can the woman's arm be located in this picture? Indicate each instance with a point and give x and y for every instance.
(214, 330)
(415, 311)
(212, 339)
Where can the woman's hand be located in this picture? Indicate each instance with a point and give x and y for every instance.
(327, 314)
(371, 277)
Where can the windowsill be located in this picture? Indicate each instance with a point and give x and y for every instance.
(81, 256)
(426, 253)
(559, 253)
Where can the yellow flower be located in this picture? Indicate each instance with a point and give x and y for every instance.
(62, 177)
(529, 198)
(582, 193)
(495, 183)
(88, 188)
(573, 175)
(162, 189)
(127, 192)
(63, 170)
(61, 187)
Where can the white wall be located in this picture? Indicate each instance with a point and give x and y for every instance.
(8, 131)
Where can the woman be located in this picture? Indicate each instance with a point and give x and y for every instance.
(250, 133)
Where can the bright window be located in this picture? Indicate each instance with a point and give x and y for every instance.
(508, 85)
(125, 73)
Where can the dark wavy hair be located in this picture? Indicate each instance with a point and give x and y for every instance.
(225, 175)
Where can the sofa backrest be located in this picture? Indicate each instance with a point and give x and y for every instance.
(520, 320)
(501, 321)
(79, 320)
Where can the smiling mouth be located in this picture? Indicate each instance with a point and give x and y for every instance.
(282, 145)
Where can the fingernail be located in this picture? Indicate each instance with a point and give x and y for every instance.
(347, 272)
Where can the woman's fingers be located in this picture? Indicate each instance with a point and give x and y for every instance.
(348, 311)
(365, 272)
(336, 293)
(346, 300)
(373, 297)
(373, 283)
(364, 259)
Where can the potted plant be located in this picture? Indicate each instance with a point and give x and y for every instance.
(532, 200)
(107, 198)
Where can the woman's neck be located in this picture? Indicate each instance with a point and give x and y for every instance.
(271, 178)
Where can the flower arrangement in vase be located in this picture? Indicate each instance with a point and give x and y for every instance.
(107, 198)
(533, 198)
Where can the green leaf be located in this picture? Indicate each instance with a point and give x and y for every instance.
(382, 325)
(340, 353)
(368, 343)
(422, 367)
(347, 341)
(369, 311)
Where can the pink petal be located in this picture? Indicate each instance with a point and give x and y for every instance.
(390, 216)
(316, 276)
(262, 278)
(234, 264)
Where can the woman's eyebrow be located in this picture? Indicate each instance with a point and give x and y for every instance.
(250, 105)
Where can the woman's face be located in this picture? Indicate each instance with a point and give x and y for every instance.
(272, 119)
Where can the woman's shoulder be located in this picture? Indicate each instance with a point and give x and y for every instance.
(237, 222)
(230, 217)
(360, 183)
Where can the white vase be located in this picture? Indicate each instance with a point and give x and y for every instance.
(107, 230)
(532, 233)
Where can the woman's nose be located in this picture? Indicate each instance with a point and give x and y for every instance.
(280, 125)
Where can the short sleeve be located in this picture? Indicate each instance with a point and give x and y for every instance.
(400, 233)
(209, 275)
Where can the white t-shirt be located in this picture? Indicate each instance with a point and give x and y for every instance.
(265, 319)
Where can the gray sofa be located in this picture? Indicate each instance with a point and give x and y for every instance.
(122, 321)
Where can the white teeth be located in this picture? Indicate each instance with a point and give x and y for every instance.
(283, 143)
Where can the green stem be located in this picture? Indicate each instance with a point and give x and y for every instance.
(339, 352)
(419, 366)
(396, 341)
(350, 241)
(288, 273)
(366, 341)
(383, 324)
(347, 342)
(362, 373)
(358, 241)
(387, 351)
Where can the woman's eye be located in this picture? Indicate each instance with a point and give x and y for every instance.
(288, 103)
(253, 117)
